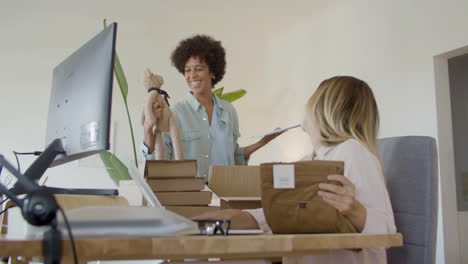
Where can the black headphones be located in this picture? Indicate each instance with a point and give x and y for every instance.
(39, 208)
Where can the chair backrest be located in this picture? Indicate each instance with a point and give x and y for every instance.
(411, 169)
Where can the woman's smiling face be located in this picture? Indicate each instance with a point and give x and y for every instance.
(198, 76)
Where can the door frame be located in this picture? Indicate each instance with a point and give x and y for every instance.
(447, 182)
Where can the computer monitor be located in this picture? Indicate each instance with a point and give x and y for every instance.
(79, 115)
(81, 99)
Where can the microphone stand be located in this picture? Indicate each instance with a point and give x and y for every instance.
(39, 208)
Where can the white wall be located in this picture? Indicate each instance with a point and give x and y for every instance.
(37, 36)
(278, 50)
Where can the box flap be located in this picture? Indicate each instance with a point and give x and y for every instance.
(235, 181)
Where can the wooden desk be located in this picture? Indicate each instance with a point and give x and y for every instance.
(180, 247)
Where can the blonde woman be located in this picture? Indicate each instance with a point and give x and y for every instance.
(342, 121)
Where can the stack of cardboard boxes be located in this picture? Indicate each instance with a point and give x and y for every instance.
(176, 186)
(178, 189)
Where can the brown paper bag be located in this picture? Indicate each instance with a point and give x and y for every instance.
(301, 210)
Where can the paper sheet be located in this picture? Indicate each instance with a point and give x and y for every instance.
(276, 131)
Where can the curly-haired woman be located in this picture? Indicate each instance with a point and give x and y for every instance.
(209, 125)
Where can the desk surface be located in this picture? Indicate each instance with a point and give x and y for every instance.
(180, 247)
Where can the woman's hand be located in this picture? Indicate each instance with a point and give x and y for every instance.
(158, 107)
(262, 142)
(148, 128)
(148, 137)
(239, 219)
(343, 199)
(266, 139)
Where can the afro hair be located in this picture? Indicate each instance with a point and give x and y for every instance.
(206, 49)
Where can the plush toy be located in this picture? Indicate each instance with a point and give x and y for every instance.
(156, 113)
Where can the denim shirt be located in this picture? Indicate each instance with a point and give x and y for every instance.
(197, 137)
(219, 152)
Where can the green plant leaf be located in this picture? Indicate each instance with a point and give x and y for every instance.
(233, 96)
(122, 81)
(120, 76)
(116, 169)
(118, 70)
(218, 92)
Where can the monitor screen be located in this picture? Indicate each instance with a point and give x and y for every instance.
(81, 98)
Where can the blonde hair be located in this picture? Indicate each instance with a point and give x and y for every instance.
(344, 108)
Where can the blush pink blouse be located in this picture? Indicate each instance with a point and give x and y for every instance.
(364, 170)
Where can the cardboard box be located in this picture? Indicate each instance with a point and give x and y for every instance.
(182, 184)
(184, 198)
(241, 202)
(170, 169)
(18, 227)
(235, 181)
(191, 211)
(237, 186)
(72, 201)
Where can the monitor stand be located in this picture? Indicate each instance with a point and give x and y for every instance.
(40, 165)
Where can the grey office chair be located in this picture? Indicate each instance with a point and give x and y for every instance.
(411, 168)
